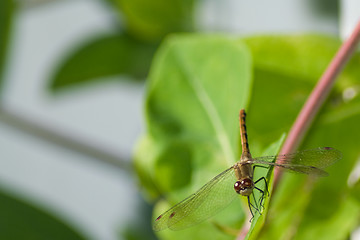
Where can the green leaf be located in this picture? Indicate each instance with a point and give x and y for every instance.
(6, 15)
(19, 220)
(355, 191)
(259, 220)
(192, 124)
(302, 56)
(339, 225)
(146, 151)
(187, 111)
(104, 57)
(153, 20)
(286, 69)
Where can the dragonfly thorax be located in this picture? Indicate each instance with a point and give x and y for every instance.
(244, 186)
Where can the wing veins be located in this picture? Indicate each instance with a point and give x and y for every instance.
(295, 168)
(190, 199)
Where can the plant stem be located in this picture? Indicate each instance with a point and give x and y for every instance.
(318, 96)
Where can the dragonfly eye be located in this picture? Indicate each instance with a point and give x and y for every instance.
(237, 187)
(246, 183)
(244, 186)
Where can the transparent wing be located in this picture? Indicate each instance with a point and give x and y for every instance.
(206, 202)
(311, 161)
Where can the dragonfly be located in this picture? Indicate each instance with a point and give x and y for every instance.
(237, 180)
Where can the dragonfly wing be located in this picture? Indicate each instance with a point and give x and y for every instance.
(311, 161)
(311, 170)
(206, 202)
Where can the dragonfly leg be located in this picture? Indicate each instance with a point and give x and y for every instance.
(257, 206)
(266, 186)
(249, 204)
(262, 196)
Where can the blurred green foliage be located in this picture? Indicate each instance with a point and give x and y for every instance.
(102, 57)
(129, 52)
(184, 107)
(191, 135)
(20, 220)
(6, 18)
(153, 20)
(198, 83)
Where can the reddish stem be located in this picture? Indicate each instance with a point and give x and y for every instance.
(318, 96)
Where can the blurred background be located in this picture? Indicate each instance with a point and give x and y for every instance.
(73, 75)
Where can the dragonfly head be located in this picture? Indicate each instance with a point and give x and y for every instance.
(244, 186)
